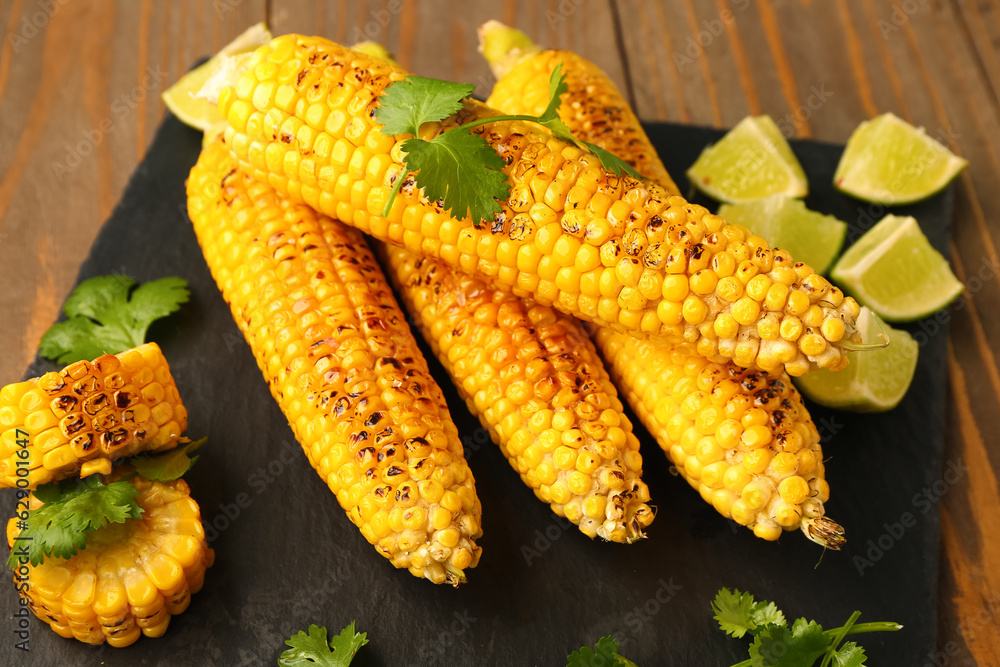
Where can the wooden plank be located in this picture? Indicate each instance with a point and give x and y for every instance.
(79, 102)
(418, 33)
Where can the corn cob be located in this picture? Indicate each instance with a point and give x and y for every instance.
(341, 362)
(535, 381)
(82, 418)
(131, 578)
(743, 438)
(618, 251)
(592, 105)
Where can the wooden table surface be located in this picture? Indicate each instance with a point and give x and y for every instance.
(80, 84)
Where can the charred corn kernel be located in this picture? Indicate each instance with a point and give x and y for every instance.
(737, 435)
(131, 577)
(340, 361)
(556, 434)
(637, 211)
(80, 419)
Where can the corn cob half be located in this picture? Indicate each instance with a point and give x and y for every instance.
(82, 418)
(535, 381)
(592, 105)
(343, 365)
(615, 250)
(131, 578)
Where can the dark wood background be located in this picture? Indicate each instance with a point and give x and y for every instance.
(80, 82)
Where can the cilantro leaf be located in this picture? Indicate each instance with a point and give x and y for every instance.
(168, 466)
(103, 319)
(604, 654)
(611, 161)
(779, 646)
(849, 655)
(462, 170)
(767, 613)
(557, 86)
(734, 612)
(406, 105)
(71, 511)
(312, 648)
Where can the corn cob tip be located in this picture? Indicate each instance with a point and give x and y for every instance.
(503, 47)
(824, 531)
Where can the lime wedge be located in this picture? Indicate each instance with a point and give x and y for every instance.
(198, 112)
(786, 223)
(893, 270)
(875, 380)
(752, 161)
(888, 161)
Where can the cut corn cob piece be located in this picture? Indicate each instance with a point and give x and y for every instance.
(88, 414)
(615, 250)
(742, 438)
(535, 381)
(592, 105)
(341, 362)
(131, 578)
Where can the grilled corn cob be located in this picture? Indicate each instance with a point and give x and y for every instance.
(592, 105)
(535, 381)
(743, 438)
(615, 250)
(88, 414)
(131, 578)
(341, 362)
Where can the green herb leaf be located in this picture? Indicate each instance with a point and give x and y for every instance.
(557, 86)
(604, 654)
(103, 319)
(406, 105)
(734, 612)
(779, 646)
(168, 466)
(849, 655)
(71, 511)
(767, 613)
(461, 170)
(312, 648)
(611, 161)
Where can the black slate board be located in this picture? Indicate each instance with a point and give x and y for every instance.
(287, 556)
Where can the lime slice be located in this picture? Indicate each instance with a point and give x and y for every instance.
(893, 270)
(875, 380)
(786, 223)
(752, 161)
(888, 161)
(198, 112)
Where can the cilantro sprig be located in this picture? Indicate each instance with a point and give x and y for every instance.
(311, 649)
(73, 509)
(778, 645)
(604, 654)
(457, 167)
(105, 315)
